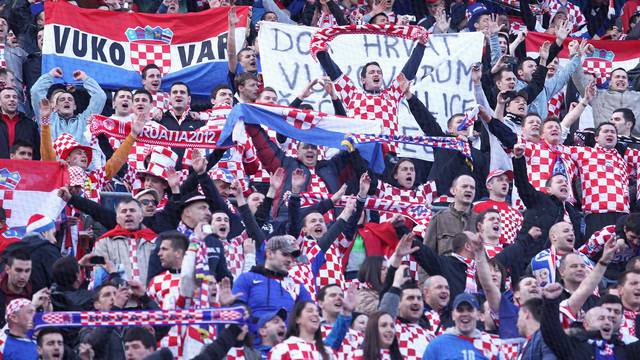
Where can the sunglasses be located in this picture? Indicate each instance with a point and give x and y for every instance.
(147, 202)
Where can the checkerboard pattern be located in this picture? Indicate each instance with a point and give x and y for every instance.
(352, 341)
(412, 340)
(541, 158)
(144, 54)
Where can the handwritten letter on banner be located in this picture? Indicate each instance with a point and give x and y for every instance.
(443, 81)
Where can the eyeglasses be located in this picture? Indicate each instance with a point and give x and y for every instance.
(147, 202)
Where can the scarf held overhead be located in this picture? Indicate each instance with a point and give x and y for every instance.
(230, 315)
(203, 138)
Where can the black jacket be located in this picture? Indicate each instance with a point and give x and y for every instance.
(577, 347)
(188, 124)
(447, 266)
(516, 257)
(26, 130)
(43, 255)
(542, 210)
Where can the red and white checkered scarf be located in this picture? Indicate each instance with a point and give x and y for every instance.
(470, 286)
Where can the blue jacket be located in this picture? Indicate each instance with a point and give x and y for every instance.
(19, 348)
(451, 347)
(536, 349)
(266, 291)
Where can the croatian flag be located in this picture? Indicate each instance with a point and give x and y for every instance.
(114, 47)
(27, 189)
(304, 125)
(608, 55)
(470, 118)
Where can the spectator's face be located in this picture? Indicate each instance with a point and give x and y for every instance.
(360, 323)
(623, 126)
(436, 7)
(149, 204)
(4, 28)
(386, 331)
(615, 312)
(197, 212)
(279, 261)
(249, 90)
(40, 39)
(270, 17)
(490, 227)
(40, 19)
(314, 225)
(9, 101)
(632, 238)
(380, 19)
(482, 22)
(332, 303)
(504, 45)
(254, 201)
(135, 350)
(630, 291)
(499, 185)
(518, 106)
(78, 157)
(524, 317)
(106, 299)
(12, 39)
(551, 132)
(309, 318)
(172, 7)
(619, 80)
(129, 216)
(528, 67)
(308, 154)
(552, 68)
(220, 224)
(496, 275)
(574, 269)
(267, 97)
(598, 319)
(52, 347)
(170, 258)
(559, 187)
(273, 331)
(22, 153)
(405, 174)
(411, 305)
(607, 136)
(531, 127)
(141, 104)
(248, 60)
(179, 97)
(24, 317)
(122, 103)
(65, 104)
(507, 81)
(156, 183)
(18, 273)
(464, 190)
(529, 289)
(557, 20)
(437, 294)
(562, 237)
(7, 80)
(372, 79)
(465, 317)
(153, 81)
(454, 123)
(223, 97)
(224, 188)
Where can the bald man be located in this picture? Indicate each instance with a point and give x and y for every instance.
(436, 294)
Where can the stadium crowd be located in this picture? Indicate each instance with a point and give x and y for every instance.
(538, 258)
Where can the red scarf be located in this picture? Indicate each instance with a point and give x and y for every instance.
(144, 233)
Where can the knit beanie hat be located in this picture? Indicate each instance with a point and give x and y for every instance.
(39, 223)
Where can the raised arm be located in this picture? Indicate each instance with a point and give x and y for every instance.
(411, 67)
(330, 67)
(574, 112)
(550, 327)
(253, 230)
(232, 55)
(491, 290)
(527, 192)
(427, 122)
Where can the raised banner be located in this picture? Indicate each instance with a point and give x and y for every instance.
(191, 48)
(30, 187)
(443, 81)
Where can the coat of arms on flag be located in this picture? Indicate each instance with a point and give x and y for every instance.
(599, 64)
(150, 46)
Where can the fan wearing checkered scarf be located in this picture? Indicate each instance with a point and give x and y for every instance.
(510, 218)
(383, 101)
(152, 81)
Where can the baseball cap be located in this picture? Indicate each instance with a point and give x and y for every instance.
(511, 95)
(476, 10)
(285, 243)
(282, 313)
(498, 172)
(466, 298)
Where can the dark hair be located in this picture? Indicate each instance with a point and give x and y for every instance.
(628, 115)
(369, 272)
(178, 83)
(480, 218)
(144, 92)
(214, 91)
(323, 290)
(616, 69)
(9, 88)
(602, 124)
(551, 119)
(244, 49)
(371, 343)
(128, 200)
(241, 79)
(98, 291)
(450, 120)
(498, 75)
(264, 15)
(534, 307)
(305, 107)
(632, 223)
(65, 271)
(374, 17)
(609, 299)
(400, 161)
(140, 334)
(459, 241)
(494, 263)
(522, 61)
(623, 277)
(18, 254)
(178, 240)
(20, 143)
(409, 285)
(115, 94)
(294, 330)
(149, 67)
(632, 263)
(267, 88)
(363, 71)
(548, 182)
(516, 285)
(47, 331)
